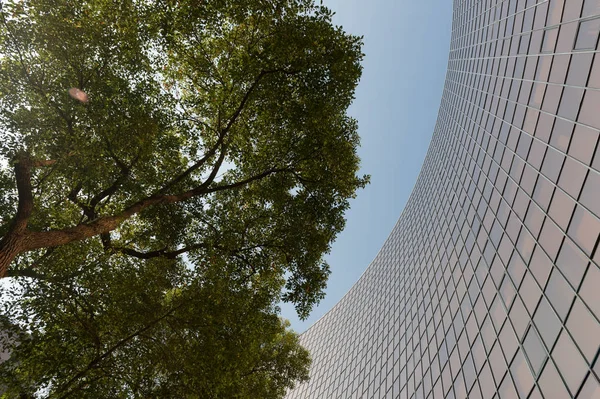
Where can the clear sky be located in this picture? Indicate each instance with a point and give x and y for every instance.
(406, 44)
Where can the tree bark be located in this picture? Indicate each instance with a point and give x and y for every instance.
(12, 243)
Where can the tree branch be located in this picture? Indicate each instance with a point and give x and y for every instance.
(108, 223)
(18, 240)
(246, 181)
(90, 210)
(25, 273)
(164, 253)
(72, 196)
(22, 170)
(11, 243)
(246, 97)
(198, 163)
(43, 162)
(244, 260)
(125, 172)
(62, 390)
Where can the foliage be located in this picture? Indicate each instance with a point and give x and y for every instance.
(147, 332)
(167, 153)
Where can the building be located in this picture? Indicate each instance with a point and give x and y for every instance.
(489, 284)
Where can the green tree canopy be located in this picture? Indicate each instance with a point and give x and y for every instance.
(158, 154)
(126, 331)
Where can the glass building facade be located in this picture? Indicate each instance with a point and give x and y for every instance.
(489, 284)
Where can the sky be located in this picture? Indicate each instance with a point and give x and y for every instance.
(406, 45)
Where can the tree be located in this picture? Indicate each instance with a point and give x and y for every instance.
(165, 141)
(141, 333)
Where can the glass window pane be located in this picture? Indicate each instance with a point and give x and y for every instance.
(566, 36)
(522, 375)
(524, 43)
(551, 238)
(552, 164)
(594, 80)
(542, 72)
(572, 176)
(516, 269)
(572, 262)
(579, 69)
(536, 154)
(543, 192)
(587, 36)
(591, 193)
(591, 388)
(552, 99)
(583, 143)
(507, 390)
(560, 65)
(590, 7)
(560, 294)
(570, 363)
(486, 382)
(549, 40)
(561, 209)
(589, 291)
(497, 362)
(585, 330)
(540, 266)
(584, 229)
(525, 244)
(547, 323)
(551, 383)
(534, 219)
(569, 103)
(534, 350)
(555, 10)
(519, 317)
(562, 130)
(589, 114)
(544, 127)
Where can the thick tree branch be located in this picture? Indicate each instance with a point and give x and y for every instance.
(22, 168)
(11, 243)
(19, 240)
(43, 162)
(25, 273)
(164, 253)
(45, 239)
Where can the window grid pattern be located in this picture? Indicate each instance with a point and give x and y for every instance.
(489, 284)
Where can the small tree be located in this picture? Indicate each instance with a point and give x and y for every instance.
(185, 144)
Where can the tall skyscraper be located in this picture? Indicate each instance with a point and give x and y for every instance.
(489, 284)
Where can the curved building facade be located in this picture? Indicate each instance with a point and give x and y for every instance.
(489, 284)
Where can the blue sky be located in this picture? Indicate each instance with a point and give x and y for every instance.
(406, 45)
